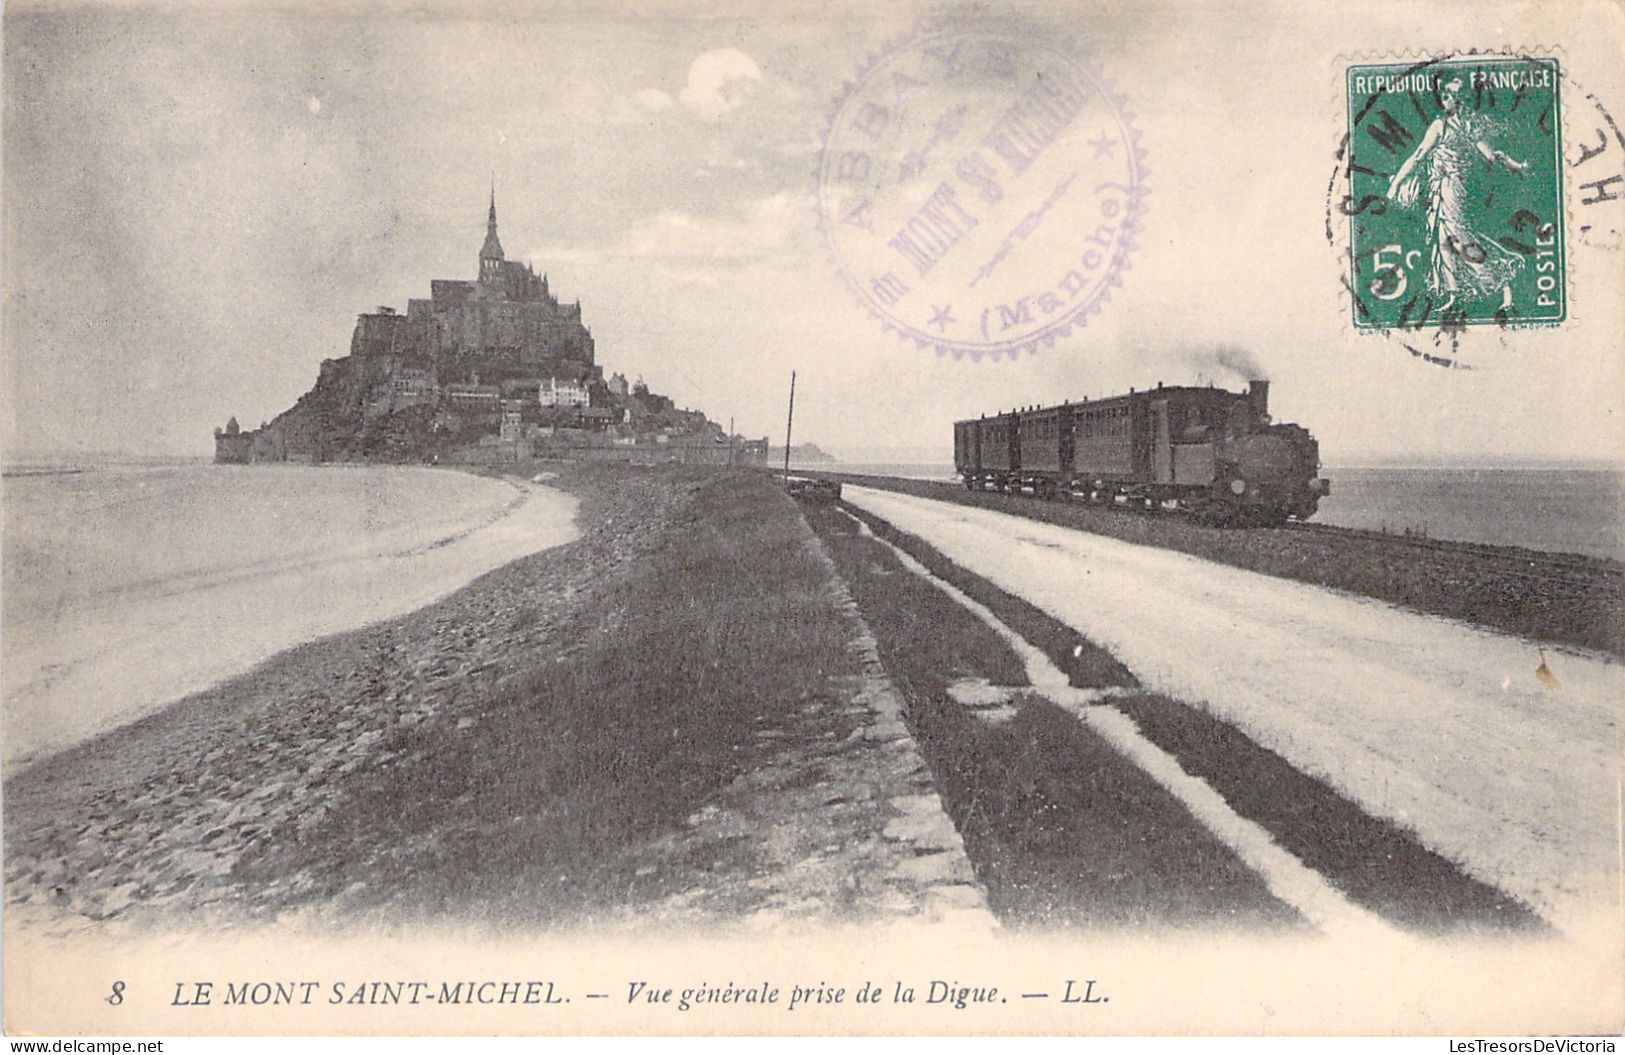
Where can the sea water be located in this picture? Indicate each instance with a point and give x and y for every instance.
(128, 586)
(1558, 510)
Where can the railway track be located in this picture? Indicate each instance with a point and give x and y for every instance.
(1511, 561)
(1554, 597)
(1506, 554)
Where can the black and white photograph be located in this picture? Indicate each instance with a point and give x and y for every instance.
(762, 517)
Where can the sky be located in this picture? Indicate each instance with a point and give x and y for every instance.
(200, 199)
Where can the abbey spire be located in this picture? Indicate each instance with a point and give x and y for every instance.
(491, 252)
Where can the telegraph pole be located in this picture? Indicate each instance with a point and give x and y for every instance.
(789, 424)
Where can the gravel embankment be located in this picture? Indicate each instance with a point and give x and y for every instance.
(669, 720)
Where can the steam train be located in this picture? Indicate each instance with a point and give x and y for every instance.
(1208, 451)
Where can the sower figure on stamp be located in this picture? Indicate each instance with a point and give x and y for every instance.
(1460, 263)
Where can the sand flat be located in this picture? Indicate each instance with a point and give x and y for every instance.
(126, 591)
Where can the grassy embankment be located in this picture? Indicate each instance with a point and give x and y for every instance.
(506, 754)
(1568, 600)
(1065, 831)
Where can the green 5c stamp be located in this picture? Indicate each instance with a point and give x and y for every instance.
(1455, 193)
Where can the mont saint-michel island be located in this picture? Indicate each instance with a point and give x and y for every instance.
(490, 370)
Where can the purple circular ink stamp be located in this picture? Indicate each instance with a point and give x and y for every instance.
(980, 187)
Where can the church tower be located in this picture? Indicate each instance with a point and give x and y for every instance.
(491, 251)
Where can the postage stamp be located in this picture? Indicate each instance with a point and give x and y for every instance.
(1455, 193)
(980, 187)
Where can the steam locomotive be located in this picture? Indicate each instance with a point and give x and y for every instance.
(1204, 450)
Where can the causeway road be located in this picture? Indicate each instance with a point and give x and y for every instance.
(1501, 757)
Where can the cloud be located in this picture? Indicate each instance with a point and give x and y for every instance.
(721, 164)
(640, 107)
(760, 232)
(719, 81)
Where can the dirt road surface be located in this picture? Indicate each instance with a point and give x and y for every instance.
(1445, 728)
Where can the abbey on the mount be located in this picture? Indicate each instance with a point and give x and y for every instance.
(485, 369)
(505, 317)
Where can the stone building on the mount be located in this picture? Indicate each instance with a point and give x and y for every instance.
(232, 444)
(492, 367)
(502, 321)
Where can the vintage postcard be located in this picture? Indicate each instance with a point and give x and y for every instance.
(771, 517)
